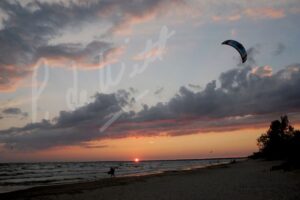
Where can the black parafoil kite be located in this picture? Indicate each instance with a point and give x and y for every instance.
(239, 47)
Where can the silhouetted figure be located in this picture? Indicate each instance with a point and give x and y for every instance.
(233, 161)
(111, 172)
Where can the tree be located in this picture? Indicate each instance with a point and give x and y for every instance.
(280, 142)
(272, 143)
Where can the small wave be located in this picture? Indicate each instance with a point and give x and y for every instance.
(17, 175)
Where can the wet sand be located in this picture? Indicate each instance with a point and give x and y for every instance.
(244, 180)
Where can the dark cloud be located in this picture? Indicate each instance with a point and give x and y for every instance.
(242, 92)
(133, 90)
(243, 98)
(194, 86)
(159, 91)
(28, 29)
(13, 111)
(279, 49)
(76, 52)
(26, 32)
(240, 98)
(89, 146)
(74, 127)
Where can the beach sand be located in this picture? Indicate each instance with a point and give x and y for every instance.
(250, 179)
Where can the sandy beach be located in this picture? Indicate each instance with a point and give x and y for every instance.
(244, 180)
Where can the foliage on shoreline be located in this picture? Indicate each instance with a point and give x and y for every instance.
(280, 142)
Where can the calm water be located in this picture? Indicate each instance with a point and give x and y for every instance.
(16, 176)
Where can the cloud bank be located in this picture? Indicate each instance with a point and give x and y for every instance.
(242, 97)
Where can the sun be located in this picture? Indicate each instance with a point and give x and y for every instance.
(136, 160)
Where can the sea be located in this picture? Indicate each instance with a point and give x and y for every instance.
(19, 176)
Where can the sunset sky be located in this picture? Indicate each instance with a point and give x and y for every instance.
(118, 80)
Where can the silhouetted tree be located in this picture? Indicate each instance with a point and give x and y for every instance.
(281, 141)
(293, 147)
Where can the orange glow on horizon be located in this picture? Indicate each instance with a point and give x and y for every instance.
(136, 160)
(196, 146)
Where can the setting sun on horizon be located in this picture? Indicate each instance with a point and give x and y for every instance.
(238, 143)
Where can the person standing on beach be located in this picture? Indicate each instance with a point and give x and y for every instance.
(111, 172)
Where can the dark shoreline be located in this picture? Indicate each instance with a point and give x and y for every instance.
(246, 180)
(73, 188)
